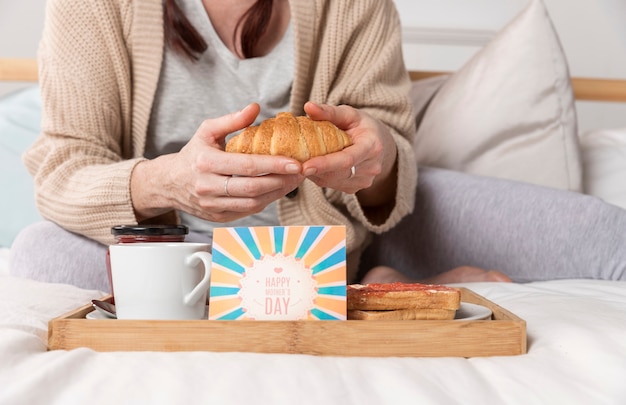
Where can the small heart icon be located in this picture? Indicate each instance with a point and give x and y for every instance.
(278, 270)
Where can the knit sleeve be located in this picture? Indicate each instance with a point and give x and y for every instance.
(361, 64)
(81, 163)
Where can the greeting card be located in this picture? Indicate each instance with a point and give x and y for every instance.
(278, 273)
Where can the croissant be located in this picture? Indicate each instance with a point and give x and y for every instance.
(300, 138)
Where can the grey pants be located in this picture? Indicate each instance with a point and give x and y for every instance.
(528, 232)
(46, 252)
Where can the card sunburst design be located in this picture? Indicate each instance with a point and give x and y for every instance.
(278, 273)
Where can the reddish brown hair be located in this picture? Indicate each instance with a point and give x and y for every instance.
(181, 35)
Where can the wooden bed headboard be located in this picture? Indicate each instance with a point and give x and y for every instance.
(584, 88)
(612, 90)
(18, 70)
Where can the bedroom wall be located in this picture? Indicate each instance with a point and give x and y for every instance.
(594, 38)
(439, 35)
(443, 34)
(21, 23)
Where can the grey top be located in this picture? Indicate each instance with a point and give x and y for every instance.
(217, 84)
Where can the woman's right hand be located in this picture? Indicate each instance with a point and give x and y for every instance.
(205, 181)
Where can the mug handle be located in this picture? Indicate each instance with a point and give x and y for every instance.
(204, 284)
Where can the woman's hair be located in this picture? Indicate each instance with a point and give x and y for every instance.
(181, 35)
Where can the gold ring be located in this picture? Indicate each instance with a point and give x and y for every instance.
(226, 187)
(352, 172)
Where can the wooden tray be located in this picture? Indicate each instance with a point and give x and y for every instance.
(503, 335)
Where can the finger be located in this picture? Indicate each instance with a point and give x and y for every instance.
(253, 187)
(226, 198)
(345, 117)
(215, 130)
(349, 186)
(340, 161)
(230, 208)
(247, 165)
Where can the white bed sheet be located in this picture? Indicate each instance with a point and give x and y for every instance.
(4, 260)
(576, 337)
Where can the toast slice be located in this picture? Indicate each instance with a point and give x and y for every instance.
(397, 296)
(411, 314)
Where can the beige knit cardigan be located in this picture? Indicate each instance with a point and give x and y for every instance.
(99, 67)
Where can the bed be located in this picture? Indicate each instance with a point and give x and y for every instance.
(576, 329)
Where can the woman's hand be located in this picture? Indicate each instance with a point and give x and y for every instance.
(209, 183)
(372, 155)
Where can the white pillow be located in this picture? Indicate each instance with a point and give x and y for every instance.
(604, 162)
(20, 116)
(509, 112)
(422, 93)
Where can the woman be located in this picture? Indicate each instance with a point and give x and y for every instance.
(127, 88)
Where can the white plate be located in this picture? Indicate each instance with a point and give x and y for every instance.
(99, 315)
(469, 312)
(96, 315)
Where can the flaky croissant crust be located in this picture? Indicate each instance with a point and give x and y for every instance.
(300, 138)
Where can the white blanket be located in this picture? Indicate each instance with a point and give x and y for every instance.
(576, 355)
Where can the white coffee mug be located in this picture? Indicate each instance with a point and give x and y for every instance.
(161, 280)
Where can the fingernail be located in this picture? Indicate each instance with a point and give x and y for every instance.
(310, 171)
(292, 168)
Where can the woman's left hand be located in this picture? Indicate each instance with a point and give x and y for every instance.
(367, 166)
